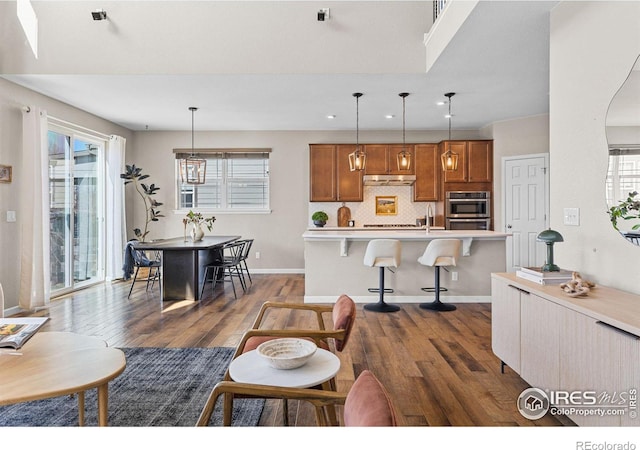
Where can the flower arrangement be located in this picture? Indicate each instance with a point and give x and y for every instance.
(198, 219)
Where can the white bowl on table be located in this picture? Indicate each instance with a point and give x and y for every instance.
(287, 353)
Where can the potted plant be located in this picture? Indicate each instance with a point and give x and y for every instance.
(197, 219)
(626, 210)
(319, 218)
(134, 175)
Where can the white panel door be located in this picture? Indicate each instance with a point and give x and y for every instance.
(525, 205)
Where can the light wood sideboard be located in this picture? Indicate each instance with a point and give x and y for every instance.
(562, 344)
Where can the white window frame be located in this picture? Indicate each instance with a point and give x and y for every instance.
(224, 155)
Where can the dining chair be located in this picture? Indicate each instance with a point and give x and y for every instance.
(226, 269)
(248, 243)
(334, 339)
(367, 404)
(136, 259)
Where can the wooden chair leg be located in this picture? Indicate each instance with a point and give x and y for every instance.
(227, 410)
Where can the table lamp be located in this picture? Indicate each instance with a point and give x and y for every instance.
(550, 237)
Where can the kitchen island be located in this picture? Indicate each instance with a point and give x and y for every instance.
(334, 265)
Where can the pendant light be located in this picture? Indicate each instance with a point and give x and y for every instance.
(404, 157)
(357, 159)
(193, 169)
(449, 158)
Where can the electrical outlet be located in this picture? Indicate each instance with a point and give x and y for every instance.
(257, 255)
(571, 216)
(454, 276)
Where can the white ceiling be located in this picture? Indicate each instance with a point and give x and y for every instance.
(272, 66)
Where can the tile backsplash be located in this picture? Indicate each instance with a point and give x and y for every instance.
(365, 212)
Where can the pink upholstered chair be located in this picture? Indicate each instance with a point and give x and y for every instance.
(367, 404)
(343, 314)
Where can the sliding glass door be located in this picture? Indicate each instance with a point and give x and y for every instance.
(76, 205)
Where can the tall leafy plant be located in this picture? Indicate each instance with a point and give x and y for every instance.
(135, 176)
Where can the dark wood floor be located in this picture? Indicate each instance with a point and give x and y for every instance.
(438, 367)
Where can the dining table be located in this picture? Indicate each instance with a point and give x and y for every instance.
(183, 263)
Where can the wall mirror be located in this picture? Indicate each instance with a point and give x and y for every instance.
(623, 174)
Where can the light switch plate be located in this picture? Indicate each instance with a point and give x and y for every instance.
(11, 216)
(572, 216)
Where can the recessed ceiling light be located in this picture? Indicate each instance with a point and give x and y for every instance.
(331, 116)
(389, 116)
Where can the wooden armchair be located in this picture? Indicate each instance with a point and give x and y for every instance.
(367, 404)
(343, 314)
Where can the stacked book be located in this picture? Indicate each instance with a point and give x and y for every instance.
(536, 275)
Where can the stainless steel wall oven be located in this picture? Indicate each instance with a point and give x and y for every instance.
(468, 210)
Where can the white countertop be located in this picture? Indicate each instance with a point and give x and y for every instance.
(333, 234)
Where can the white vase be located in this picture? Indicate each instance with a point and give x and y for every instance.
(196, 233)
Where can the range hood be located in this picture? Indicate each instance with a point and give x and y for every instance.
(388, 180)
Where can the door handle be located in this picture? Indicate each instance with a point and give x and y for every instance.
(509, 226)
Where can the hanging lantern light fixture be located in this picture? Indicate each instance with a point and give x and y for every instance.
(358, 158)
(192, 168)
(404, 157)
(449, 158)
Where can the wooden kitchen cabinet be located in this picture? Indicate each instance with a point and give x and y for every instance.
(349, 184)
(426, 161)
(475, 161)
(382, 159)
(330, 179)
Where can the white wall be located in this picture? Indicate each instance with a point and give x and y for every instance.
(522, 136)
(12, 98)
(593, 47)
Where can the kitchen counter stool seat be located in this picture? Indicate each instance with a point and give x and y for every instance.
(439, 253)
(382, 253)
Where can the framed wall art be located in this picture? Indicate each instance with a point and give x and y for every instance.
(5, 174)
(386, 205)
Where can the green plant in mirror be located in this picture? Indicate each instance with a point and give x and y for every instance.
(628, 209)
(134, 175)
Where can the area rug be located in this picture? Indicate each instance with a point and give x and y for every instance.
(160, 387)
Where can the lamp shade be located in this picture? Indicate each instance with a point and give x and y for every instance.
(550, 237)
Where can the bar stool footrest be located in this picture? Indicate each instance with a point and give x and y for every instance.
(390, 291)
(432, 289)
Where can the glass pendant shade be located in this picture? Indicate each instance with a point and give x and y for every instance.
(449, 159)
(358, 158)
(193, 170)
(404, 160)
(404, 157)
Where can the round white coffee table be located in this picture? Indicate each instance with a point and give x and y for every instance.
(251, 368)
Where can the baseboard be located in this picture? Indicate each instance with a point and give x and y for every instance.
(400, 299)
(276, 271)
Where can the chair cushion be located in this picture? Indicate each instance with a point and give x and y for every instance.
(368, 404)
(344, 316)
